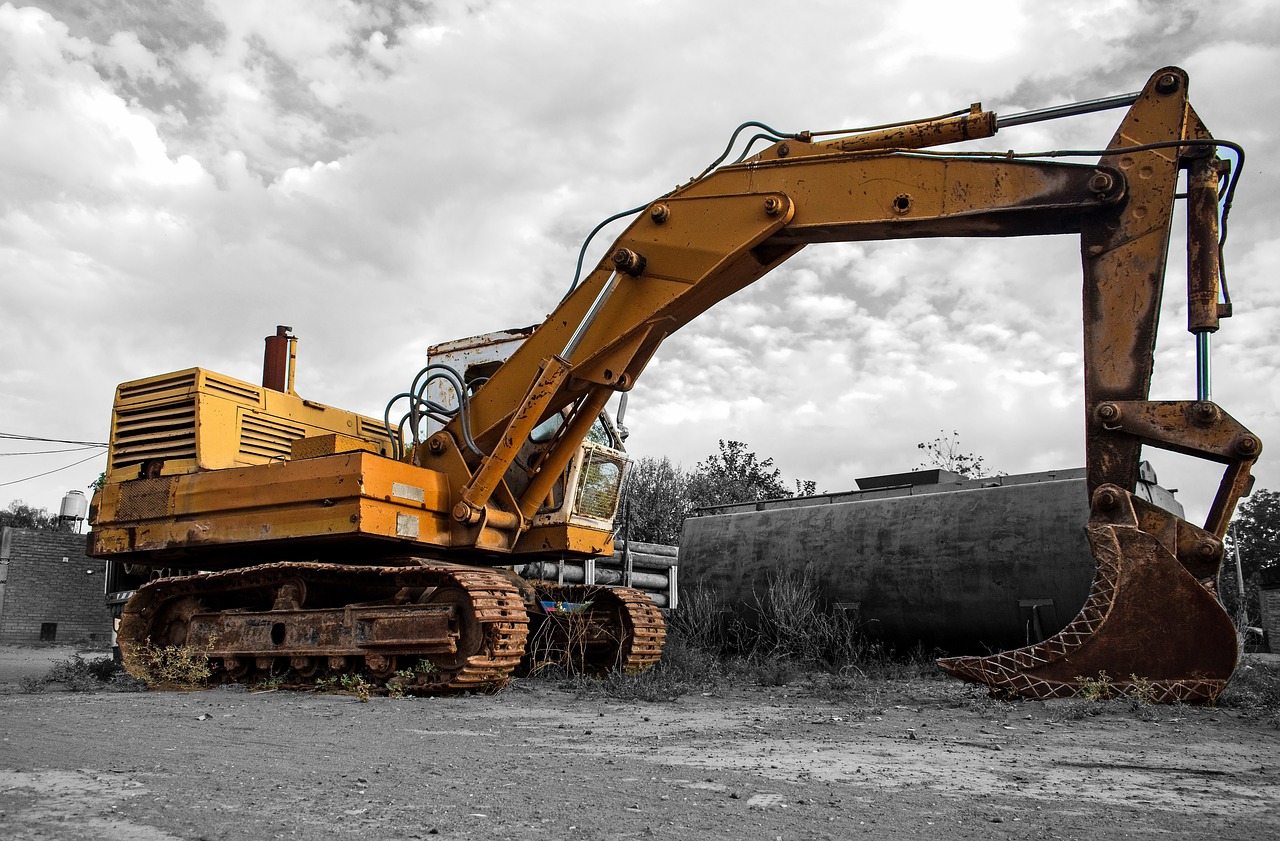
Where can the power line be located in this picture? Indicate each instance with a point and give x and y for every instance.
(48, 472)
(50, 452)
(16, 437)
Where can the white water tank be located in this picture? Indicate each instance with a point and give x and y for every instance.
(74, 506)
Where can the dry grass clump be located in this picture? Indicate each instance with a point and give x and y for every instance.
(782, 637)
(171, 666)
(1255, 688)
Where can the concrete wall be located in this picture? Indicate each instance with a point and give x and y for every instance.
(45, 580)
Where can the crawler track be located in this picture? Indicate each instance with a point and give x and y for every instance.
(473, 621)
(597, 629)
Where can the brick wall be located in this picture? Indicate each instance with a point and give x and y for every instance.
(48, 579)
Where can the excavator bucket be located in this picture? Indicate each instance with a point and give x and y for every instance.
(1149, 629)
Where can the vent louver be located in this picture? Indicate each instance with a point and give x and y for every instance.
(269, 438)
(154, 432)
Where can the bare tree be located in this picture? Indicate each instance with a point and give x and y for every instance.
(944, 452)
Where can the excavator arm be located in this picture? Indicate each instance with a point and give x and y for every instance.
(1151, 617)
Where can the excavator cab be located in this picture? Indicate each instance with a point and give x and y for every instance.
(589, 489)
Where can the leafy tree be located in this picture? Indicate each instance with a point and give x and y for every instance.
(19, 515)
(654, 503)
(1256, 531)
(944, 452)
(734, 475)
(659, 494)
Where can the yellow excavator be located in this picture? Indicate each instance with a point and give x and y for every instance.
(329, 543)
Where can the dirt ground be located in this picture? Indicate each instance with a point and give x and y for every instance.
(912, 759)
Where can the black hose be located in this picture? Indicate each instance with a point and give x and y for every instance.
(420, 406)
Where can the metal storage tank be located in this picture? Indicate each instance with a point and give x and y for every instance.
(73, 510)
(962, 565)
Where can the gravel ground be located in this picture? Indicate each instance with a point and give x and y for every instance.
(926, 758)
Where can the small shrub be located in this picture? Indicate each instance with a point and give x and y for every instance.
(683, 669)
(268, 683)
(179, 666)
(1137, 696)
(80, 675)
(788, 621)
(1096, 689)
(1141, 691)
(352, 684)
(559, 644)
(404, 679)
(783, 638)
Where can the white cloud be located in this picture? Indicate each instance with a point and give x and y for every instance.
(382, 179)
(125, 52)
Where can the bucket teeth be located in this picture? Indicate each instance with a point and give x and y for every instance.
(1148, 629)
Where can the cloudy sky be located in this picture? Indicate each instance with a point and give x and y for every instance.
(177, 178)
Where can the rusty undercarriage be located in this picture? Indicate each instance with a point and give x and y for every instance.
(413, 628)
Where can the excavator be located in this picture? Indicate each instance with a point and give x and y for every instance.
(327, 543)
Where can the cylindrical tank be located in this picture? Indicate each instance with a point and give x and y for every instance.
(965, 566)
(74, 506)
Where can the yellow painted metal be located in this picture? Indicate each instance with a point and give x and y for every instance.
(562, 451)
(324, 499)
(572, 540)
(708, 239)
(327, 445)
(717, 234)
(200, 420)
(973, 125)
(711, 235)
(531, 411)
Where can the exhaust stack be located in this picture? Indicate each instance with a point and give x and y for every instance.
(279, 360)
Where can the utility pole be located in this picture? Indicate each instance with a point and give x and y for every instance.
(1242, 618)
